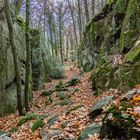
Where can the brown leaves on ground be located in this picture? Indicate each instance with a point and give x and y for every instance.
(135, 111)
(77, 119)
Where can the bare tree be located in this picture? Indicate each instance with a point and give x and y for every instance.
(28, 58)
(93, 7)
(73, 20)
(79, 20)
(86, 10)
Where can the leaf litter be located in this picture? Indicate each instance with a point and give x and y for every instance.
(70, 124)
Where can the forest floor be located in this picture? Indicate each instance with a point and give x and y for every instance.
(64, 118)
(75, 121)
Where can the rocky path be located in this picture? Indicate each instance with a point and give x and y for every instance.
(64, 112)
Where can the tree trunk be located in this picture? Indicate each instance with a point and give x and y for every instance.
(60, 33)
(51, 33)
(67, 48)
(86, 10)
(60, 42)
(15, 57)
(73, 21)
(28, 59)
(79, 20)
(18, 4)
(93, 7)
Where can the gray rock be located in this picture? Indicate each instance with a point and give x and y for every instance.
(38, 69)
(98, 106)
(90, 129)
(49, 134)
(52, 120)
(129, 94)
(3, 137)
(8, 99)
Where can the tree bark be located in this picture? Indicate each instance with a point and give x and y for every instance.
(18, 4)
(86, 10)
(15, 57)
(93, 7)
(60, 32)
(28, 59)
(73, 21)
(79, 20)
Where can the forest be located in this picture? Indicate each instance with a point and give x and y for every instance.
(69, 69)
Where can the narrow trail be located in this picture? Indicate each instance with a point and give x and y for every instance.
(57, 118)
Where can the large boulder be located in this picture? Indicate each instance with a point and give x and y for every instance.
(130, 69)
(122, 35)
(38, 69)
(105, 77)
(89, 130)
(8, 95)
(99, 105)
(124, 76)
(102, 33)
(121, 120)
(130, 29)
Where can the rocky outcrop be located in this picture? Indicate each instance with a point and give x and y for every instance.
(98, 106)
(89, 130)
(113, 32)
(38, 69)
(8, 94)
(121, 120)
(8, 99)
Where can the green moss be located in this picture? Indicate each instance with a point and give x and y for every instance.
(120, 6)
(13, 129)
(130, 28)
(61, 87)
(35, 37)
(48, 93)
(133, 56)
(47, 72)
(65, 102)
(73, 108)
(128, 39)
(120, 120)
(21, 22)
(73, 82)
(75, 90)
(37, 124)
(48, 101)
(111, 1)
(30, 116)
(130, 75)
(63, 96)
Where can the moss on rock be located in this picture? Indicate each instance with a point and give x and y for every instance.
(130, 29)
(37, 124)
(105, 77)
(30, 116)
(120, 6)
(130, 69)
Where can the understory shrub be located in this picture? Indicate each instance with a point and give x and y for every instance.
(56, 68)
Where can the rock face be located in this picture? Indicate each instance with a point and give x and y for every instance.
(98, 107)
(38, 69)
(121, 119)
(8, 99)
(8, 95)
(114, 31)
(90, 129)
